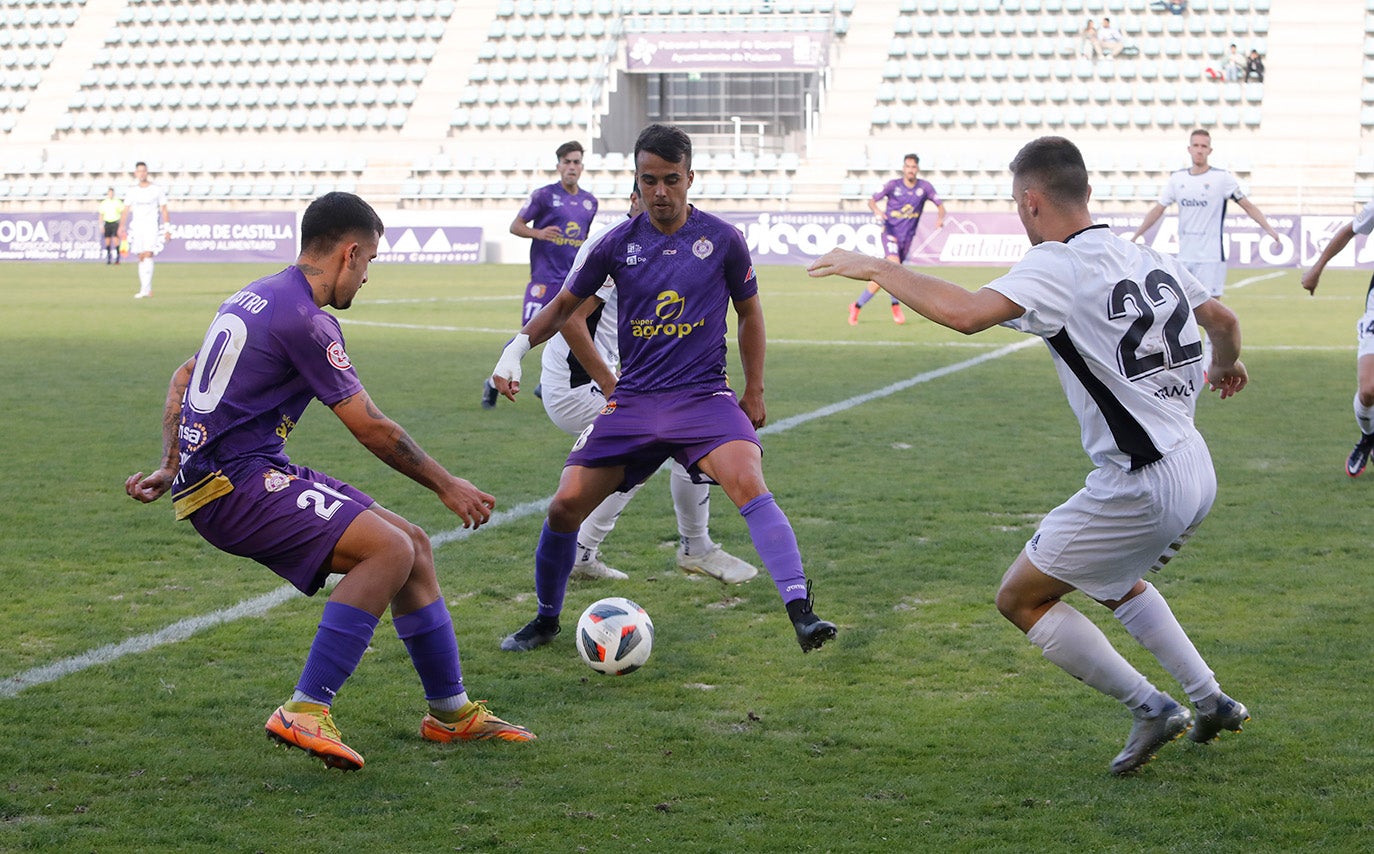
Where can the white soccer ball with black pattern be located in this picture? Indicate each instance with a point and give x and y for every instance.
(615, 636)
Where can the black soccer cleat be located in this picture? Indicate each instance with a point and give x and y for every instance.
(488, 395)
(536, 633)
(1359, 457)
(812, 631)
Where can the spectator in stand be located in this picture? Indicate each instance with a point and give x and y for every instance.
(1233, 66)
(1091, 46)
(1254, 67)
(1109, 39)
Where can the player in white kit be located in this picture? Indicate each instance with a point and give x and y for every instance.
(577, 372)
(1121, 324)
(1201, 192)
(145, 225)
(1363, 223)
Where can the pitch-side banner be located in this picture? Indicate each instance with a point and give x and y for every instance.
(998, 240)
(668, 52)
(213, 236)
(422, 238)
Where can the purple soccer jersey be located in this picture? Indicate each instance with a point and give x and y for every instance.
(268, 353)
(904, 206)
(674, 291)
(571, 212)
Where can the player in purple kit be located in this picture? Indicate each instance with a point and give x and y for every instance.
(900, 214)
(557, 219)
(676, 271)
(230, 408)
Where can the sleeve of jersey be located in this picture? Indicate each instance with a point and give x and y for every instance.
(1166, 194)
(1237, 190)
(316, 349)
(531, 208)
(882, 191)
(739, 268)
(933, 195)
(1043, 287)
(1364, 220)
(592, 264)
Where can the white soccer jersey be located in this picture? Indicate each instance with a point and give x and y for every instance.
(1363, 223)
(1201, 201)
(1118, 319)
(144, 204)
(556, 363)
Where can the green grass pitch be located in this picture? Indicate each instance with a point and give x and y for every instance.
(929, 725)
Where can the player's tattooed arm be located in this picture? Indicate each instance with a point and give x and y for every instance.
(390, 443)
(152, 487)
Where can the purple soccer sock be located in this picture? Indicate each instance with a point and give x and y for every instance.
(861, 302)
(553, 563)
(428, 636)
(776, 543)
(339, 644)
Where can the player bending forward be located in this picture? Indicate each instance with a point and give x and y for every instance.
(268, 353)
(1119, 322)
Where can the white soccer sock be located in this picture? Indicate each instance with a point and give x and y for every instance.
(1364, 416)
(449, 704)
(1152, 623)
(597, 526)
(145, 275)
(1073, 642)
(692, 504)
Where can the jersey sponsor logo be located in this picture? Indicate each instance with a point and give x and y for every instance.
(572, 230)
(703, 248)
(337, 357)
(276, 481)
(285, 427)
(670, 305)
(194, 435)
(1192, 203)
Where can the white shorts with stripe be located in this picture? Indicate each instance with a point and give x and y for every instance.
(1122, 524)
(572, 409)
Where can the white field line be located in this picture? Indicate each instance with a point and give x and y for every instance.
(183, 629)
(1253, 279)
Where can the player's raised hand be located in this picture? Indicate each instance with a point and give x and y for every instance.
(842, 262)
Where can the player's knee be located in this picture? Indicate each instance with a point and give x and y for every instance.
(564, 516)
(1008, 603)
(1366, 395)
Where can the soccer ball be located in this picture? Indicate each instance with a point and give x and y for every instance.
(615, 636)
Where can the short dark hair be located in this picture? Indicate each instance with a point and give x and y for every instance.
(568, 148)
(1056, 165)
(140, 163)
(907, 157)
(1200, 132)
(666, 141)
(334, 216)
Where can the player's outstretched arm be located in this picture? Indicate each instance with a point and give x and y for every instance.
(1258, 216)
(393, 446)
(944, 302)
(151, 488)
(1333, 248)
(540, 328)
(1150, 219)
(1227, 373)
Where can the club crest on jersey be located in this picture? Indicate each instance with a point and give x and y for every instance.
(608, 408)
(537, 291)
(587, 204)
(703, 248)
(276, 481)
(337, 357)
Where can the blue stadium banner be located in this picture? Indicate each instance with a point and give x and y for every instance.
(197, 236)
